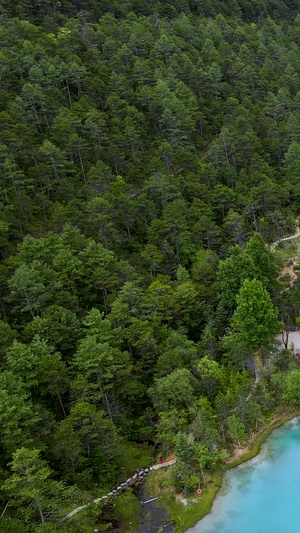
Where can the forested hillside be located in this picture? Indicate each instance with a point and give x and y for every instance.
(148, 151)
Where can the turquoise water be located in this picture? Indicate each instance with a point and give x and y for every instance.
(263, 495)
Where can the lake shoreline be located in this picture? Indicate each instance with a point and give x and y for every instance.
(255, 449)
(187, 516)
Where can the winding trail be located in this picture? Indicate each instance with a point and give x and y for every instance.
(123, 486)
(296, 234)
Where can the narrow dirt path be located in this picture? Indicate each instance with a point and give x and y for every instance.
(296, 234)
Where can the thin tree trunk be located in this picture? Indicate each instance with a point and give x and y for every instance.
(29, 305)
(202, 474)
(225, 148)
(81, 165)
(45, 116)
(56, 174)
(254, 218)
(223, 433)
(68, 90)
(4, 188)
(108, 407)
(41, 515)
(2, 309)
(105, 398)
(4, 510)
(128, 228)
(177, 251)
(62, 405)
(105, 297)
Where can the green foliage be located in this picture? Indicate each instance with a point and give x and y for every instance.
(255, 261)
(148, 152)
(255, 318)
(211, 376)
(30, 482)
(173, 391)
(127, 511)
(292, 387)
(236, 429)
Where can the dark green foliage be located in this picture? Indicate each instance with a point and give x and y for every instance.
(148, 150)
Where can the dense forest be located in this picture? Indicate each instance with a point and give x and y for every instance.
(149, 151)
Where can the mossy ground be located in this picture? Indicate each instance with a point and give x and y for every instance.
(127, 511)
(136, 456)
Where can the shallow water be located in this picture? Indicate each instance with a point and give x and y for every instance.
(263, 495)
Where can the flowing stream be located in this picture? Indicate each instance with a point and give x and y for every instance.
(262, 495)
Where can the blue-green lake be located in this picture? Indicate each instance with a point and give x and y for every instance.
(262, 495)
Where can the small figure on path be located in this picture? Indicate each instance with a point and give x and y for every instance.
(160, 461)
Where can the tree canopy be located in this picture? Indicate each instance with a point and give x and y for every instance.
(149, 155)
